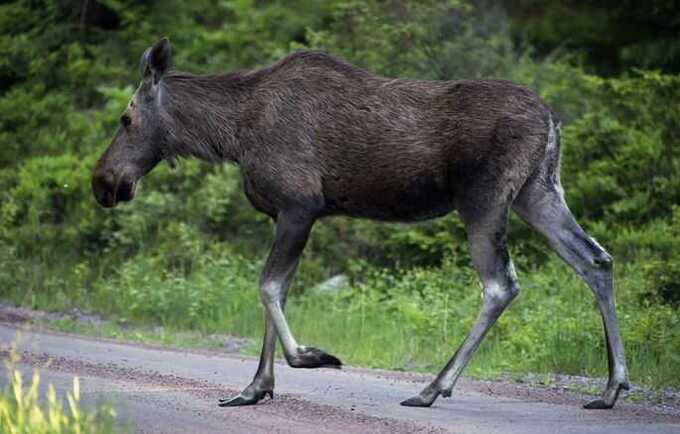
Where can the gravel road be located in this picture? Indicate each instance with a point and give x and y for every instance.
(160, 390)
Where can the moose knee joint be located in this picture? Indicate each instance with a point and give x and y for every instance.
(271, 292)
(500, 294)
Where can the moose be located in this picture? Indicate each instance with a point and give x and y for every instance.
(315, 136)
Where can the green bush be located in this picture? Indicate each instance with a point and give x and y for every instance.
(186, 252)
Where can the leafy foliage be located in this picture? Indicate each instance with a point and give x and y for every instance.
(611, 36)
(22, 413)
(186, 252)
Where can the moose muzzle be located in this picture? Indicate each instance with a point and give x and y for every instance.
(110, 188)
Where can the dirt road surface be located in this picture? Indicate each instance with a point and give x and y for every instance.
(157, 390)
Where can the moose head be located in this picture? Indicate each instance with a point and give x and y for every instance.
(140, 142)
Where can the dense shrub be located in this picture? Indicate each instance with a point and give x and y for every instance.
(186, 252)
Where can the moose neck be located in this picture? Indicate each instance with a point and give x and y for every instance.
(201, 114)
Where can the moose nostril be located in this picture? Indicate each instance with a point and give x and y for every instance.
(103, 186)
(109, 179)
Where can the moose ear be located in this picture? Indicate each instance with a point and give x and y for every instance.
(156, 60)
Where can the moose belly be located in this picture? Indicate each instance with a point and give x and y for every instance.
(420, 198)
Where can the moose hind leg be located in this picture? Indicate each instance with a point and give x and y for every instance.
(546, 211)
(492, 262)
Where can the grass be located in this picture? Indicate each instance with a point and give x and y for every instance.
(553, 327)
(155, 335)
(21, 411)
(404, 320)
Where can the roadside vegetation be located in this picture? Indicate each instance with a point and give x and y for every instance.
(186, 253)
(22, 412)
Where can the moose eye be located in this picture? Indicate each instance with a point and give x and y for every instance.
(125, 120)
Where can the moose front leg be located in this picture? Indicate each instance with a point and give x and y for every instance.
(292, 231)
(263, 383)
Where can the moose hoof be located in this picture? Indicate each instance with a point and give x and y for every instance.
(246, 398)
(416, 401)
(425, 399)
(310, 357)
(598, 404)
(609, 398)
